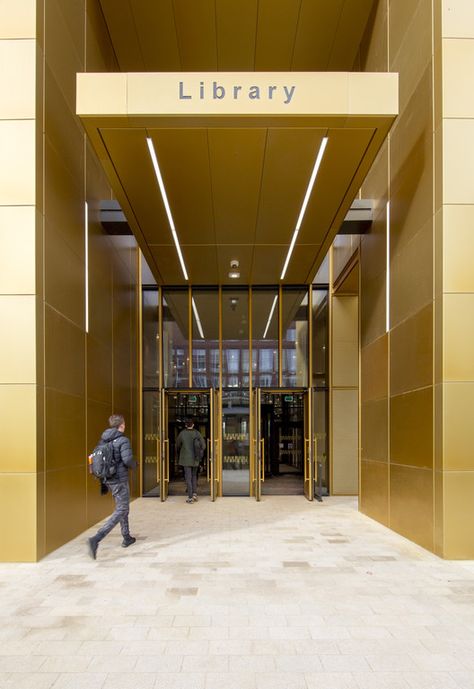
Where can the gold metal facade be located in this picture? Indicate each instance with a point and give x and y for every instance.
(58, 383)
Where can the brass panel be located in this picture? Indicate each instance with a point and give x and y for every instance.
(156, 29)
(122, 29)
(350, 285)
(236, 26)
(276, 33)
(345, 442)
(345, 341)
(17, 257)
(183, 156)
(439, 498)
(457, 248)
(65, 505)
(18, 79)
(311, 53)
(458, 334)
(373, 248)
(17, 163)
(196, 31)
(457, 425)
(64, 354)
(411, 276)
(100, 55)
(236, 184)
(289, 160)
(18, 413)
(458, 515)
(65, 430)
(411, 504)
(267, 263)
(373, 48)
(374, 370)
(100, 298)
(64, 277)
(374, 482)
(18, 20)
(401, 14)
(17, 344)
(351, 24)
(18, 507)
(99, 370)
(300, 267)
(374, 430)
(372, 308)
(201, 263)
(411, 429)
(411, 355)
(169, 266)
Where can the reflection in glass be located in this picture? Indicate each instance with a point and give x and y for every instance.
(151, 430)
(320, 416)
(235, 339)
(150, 338)
(295, 337)
(320, 338)
(175, 339)
(205, 346)
(235, 442)
(265, 337)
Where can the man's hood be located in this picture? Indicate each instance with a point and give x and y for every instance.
(110, 434)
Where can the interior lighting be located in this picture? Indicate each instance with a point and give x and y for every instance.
(159, 178)
(387, 285)
(271, 315)
(312, 180)
(86, 265)
(198, 320)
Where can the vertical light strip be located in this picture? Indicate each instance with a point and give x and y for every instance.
(271, 315)
(86, 264)
(198, 320)
(312, 180)
(387, 285)
(159, 178)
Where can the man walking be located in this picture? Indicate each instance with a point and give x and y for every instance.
(118, 485)
(190, 445)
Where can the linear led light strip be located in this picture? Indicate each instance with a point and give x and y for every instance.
(387, 284)
(159, 178)
(86, 264)
(270, 316)
(312, 180)
(198, 320)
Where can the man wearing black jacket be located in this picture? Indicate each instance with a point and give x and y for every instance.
(118, 485)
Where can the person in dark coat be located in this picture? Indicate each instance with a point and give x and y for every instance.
(187, 443)
(118, 485)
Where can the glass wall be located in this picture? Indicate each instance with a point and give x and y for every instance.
(265, 338)
(235, 339)
(151, 442)
(295, 337)
(175, 339)
(205, 345)
(320, 348)
(151, 340)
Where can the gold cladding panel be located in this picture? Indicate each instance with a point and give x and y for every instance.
(411, 429)
(64, 50)
(99, 370)
(18, 19)
(374, 370)
(18, 414)
(196, 30)
(17, 163)
(458, 157)
(18, 79)
(373, 49)
(267, 263)
(121, 24)
(65, 424)
(64, 354)
(373, 499)
(100, 56)
(375, 187)
(100, 300)
(458, 515)
(276, 32)
(301, 262)
(18, 507)
(345, 442)
(168, 264)
(289, 161)
(64, 277)
(345, 341)
(236, 159)
(457, 424)
(155, 24)
(373, 247)
(17, 257)
(374, 430)
(372, 308)
(411, 354)
(411, 504)
(17, 344)
(458, 337)
(236, 25)
(312, 53)
(351, 24)
(458, 248)
(201, 263)
(65, 495)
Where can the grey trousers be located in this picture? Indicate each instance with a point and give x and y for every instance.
(121, 494)
(191, 477)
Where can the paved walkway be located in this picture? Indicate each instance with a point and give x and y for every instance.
(235, 595)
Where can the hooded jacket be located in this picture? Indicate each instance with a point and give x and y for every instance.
(122, 452)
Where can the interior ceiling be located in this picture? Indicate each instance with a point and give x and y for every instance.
(236, 35)
(235, 189)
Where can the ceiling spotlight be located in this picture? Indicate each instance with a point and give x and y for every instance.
(234, 274)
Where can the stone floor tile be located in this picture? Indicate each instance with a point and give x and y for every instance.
(298, 663)
(66, 664)
(432, 680)
(205, 664)
(437, 662)
(344, 663)
(380, 680)
(331, 680)
(230, 680)
(150, 663)
(134, 680)
(30, 680)
(260, 663)
(180, 681)
(75, 680)
(108, 664)
(281, 680)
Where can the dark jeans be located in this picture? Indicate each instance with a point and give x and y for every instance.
(121, 494)
(191, 477)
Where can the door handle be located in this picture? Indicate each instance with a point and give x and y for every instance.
(262, 458)
(307, 450)
(166, 472)
(158, 460)
(208, 459)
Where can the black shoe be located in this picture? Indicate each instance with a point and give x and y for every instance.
(128, 540)
(93, 544)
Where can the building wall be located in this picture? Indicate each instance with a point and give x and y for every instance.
(70, 380)
(397, 366)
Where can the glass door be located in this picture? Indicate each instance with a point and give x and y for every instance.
(308, 448)
(213, 445)
(165, 449)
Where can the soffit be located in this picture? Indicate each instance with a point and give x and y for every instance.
(236, 35)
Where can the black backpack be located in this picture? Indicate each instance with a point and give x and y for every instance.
(102, 462)
(198, 448)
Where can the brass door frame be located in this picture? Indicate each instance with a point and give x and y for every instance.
(258, 464)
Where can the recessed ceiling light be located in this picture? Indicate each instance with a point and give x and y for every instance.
(234, 274)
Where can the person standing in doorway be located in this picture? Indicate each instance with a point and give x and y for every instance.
(190, 445)
(118, 484)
